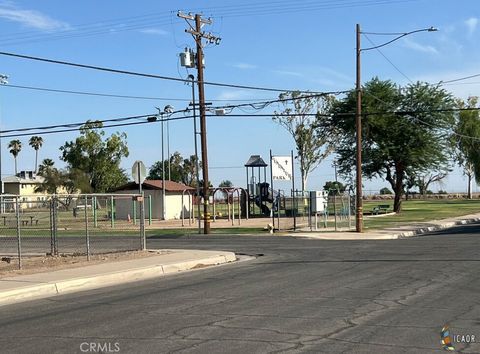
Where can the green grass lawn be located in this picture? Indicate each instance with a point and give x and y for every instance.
(420, 210)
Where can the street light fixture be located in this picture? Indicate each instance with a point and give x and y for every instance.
(358, 116)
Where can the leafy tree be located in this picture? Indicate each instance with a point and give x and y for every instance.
(181, 170)
(385, 190)
(424, 181)
(15, 147)
(403, 131)
(53, 178)
(36, 143)
(466, 141)
(97, 157)
(226, 184)
(334, 187)
(296, 118)
(72, 180)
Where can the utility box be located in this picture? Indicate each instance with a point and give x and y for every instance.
(318, 201)
(187, 58)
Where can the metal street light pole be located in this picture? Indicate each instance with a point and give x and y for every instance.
(358, 116)
(3, 81)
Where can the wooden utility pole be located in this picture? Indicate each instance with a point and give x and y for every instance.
(198, 35)
(358, 124)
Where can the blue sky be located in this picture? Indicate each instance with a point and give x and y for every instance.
(307, 45)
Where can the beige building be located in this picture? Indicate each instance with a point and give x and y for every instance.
(174, 202)
(24, 184)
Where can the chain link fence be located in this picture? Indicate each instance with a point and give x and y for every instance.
(83, 224)
(295, 212)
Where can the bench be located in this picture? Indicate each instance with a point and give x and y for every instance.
(380, 208)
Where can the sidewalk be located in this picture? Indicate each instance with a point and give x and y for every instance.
(40, 285)
(391, 233)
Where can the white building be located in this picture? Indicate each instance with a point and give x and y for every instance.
(174, 205)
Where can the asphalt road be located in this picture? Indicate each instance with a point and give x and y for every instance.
(298, 295)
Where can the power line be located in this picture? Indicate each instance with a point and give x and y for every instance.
(154, 76)
(386, 58)
(102, 94)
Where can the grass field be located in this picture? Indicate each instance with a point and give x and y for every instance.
(420, 210)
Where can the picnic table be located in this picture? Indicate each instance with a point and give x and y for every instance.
(380, 208)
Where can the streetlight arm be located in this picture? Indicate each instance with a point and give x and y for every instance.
(431, 29)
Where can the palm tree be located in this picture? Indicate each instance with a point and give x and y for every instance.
(45, 167)
(15, 147)
(36, 143)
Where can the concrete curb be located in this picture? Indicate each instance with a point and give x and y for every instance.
(37, 290)
(423, 230)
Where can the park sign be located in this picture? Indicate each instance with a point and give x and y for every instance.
(282, 168)
(139, 172)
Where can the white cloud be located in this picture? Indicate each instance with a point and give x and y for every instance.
(471, 24)
(244, 66)
(154, 31)
(30, 18)
(461, 89)
(419, 47)
(233, 95)
(288, 73)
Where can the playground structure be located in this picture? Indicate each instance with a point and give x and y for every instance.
(259, 193)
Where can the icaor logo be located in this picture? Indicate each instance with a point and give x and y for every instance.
(94, 347)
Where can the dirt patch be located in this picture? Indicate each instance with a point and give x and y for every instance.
(39, 264)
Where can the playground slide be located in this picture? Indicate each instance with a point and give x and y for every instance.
(265, 210)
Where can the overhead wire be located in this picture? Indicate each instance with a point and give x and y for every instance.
(135, 73)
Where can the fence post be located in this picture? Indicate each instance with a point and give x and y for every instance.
(87, 237)
(112, 213)
(54, 217)
(149, 210)
(19, 242)
(94, 207)
(52, 240)
(335, 207)
(142, 223)
(134, 211)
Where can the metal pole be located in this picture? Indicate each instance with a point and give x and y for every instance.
(52, 242)
(163, 176)
(203, 123)
(112, 218)
(293, 195)
(19, 242)
(149, 210)
(335, 207)
(168, 150)
(87, 236)
(278, 211)
(273, 205)
(134, 206)
(143, 239)
(94, 207)
(358, 124)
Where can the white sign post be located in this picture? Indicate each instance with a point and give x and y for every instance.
(282, 168)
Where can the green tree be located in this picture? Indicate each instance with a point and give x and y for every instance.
(15, 146)
(334, 187)
(97, 157)
(53, 178)
(181, 170)
(466, 140)
(36, 143)
(403, 131)
(385, 190)
(296, 118)
(226, 184)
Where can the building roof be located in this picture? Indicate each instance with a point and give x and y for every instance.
(255, 161)
(170, 186)
(20, 180)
